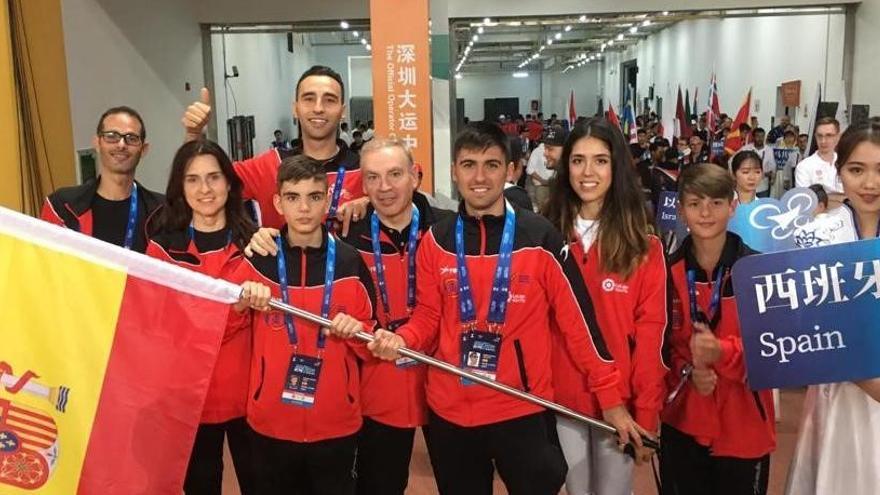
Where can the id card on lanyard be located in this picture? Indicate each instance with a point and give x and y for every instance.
(131, 225)
(381, 281)
(480, 349)
(337, 193)
(300, 386)
(697, 316)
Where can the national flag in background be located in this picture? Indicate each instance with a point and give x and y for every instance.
(687, 104)
(682, 122)
(696, 114)
(612, 116)
(714, 109)
(105, 360)
(571, 112)
(629, 119)
(735, 140)
(842, 114)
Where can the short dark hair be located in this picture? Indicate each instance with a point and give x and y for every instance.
(321, 70)
(867, 131)
(299, 168)
(343, 126)
(759, 129)
(706, 180)
(742, 156)
(481, 136)
(828, 121)
(641, 130)
(126, 110)
(821, 195)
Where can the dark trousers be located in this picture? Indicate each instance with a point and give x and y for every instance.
(525, 451)
(384, 454)
(204, 475)
(325, 467)
(687, 468)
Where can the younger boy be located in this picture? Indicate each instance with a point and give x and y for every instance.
(717, 433)
(304, 395)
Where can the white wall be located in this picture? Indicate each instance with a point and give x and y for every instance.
(137, 54)
(760, 52)
(867, 63)
(264, 87)
(552, 87)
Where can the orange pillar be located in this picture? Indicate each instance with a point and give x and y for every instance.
(401, 77)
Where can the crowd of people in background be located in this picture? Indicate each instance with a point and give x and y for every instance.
(547, 276)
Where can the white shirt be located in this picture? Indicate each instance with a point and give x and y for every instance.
(345, 136)
(538, 165)
(586, 230)
(815, 170)
(368, 134)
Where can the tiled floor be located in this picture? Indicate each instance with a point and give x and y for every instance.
(422, 481)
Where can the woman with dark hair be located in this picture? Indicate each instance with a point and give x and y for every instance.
(202, 227)
(747, 169)
(840, 428)
(596, 202)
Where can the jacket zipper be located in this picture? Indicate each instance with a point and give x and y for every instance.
(262, 378)
(521, 362)
(482, 237)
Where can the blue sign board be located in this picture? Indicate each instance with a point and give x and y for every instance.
(810, 315)
(767, 225)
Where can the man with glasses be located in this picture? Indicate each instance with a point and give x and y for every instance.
(113, 207)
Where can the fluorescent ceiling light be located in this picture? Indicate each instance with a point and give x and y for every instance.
(558, 35)
(520, 74)
(567, 28)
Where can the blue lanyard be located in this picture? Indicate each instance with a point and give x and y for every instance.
(501, 282)
(410, 261)
(329, 275)
(714, 302)
(132, 217)
(337, 192)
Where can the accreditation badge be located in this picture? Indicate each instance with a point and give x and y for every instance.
(301, 383)
(479, 354)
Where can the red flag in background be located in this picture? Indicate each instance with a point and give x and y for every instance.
(683, 126)
(612, 117)
(572, 113)
(735, 140)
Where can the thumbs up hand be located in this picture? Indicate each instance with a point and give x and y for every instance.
(197, 115)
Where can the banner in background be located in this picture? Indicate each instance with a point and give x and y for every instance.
(810, 315)
(402, 77)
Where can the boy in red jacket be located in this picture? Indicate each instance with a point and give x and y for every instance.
(304, 396)
(717, 433)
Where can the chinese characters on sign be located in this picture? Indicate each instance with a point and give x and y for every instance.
(816, 285)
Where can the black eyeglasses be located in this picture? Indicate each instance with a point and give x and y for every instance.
(113, 137)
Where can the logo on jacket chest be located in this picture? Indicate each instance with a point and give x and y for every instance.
(519, 283)
(609, 285)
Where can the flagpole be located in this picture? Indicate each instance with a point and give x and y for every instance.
(443, 365)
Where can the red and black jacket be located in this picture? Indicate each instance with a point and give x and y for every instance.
(337, 409)
(733, 421)
(227, 392)
(260, 174)
(71, 207)
(545, 285)
(632, 316)
(390, 394)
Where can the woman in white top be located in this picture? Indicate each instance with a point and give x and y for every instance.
(838, 447)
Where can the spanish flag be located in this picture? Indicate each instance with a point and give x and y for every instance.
(105, 360)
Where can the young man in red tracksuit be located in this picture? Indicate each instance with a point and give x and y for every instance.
(717, 433)
(318, 106)
(113, 207)
(491, 248)
(392, 393)
(304, 396)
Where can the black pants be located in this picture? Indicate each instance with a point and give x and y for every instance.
(204, 475)
(687, 468)
(524, 450)
(384, 454)
(315, 468)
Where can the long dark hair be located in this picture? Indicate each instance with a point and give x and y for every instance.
(177, 214)
(854, 135)
(623, 227)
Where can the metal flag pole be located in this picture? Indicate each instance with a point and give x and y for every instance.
(443, 365)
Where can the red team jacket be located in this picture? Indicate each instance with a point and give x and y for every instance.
(260, 174)
(390, 394)
(337, 409)
(227, 393)
(734, 421)
(545, 284)
(632, 316)
(71, 207)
